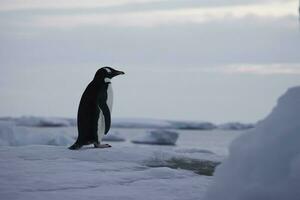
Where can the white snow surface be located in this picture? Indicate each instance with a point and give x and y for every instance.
(36, 164)
(264, 164)
(159, 136)
(49, 172)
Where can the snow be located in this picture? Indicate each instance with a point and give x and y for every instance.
(265, 162)
(159, 136)
(114, 136)
(48, 172)
(36, 164)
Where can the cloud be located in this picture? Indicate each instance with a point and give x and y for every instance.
(267, 69)
(222, 42)
(157, 18)
(11, 5)
(152, 18)
(125, 5)
(259, 69)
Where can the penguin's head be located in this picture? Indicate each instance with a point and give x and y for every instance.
(107, 72)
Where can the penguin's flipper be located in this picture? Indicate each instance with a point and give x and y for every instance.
(107, 118)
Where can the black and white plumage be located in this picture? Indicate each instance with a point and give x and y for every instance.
(94, 112)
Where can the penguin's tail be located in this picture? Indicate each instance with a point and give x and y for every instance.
(75, 146)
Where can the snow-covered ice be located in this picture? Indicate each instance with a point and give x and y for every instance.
(49, 172)
(36, 164)
(264, 163)
(159, 136)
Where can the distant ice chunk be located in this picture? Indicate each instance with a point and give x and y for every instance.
(200, 161)
(141, 123)
(114, 136)
(116, 123)
(6, 118)
(12, 135)
(6, 133)
(264, 163)
(161, 124)
(42, 121)
(159, 136)
(235, 126)
(193, 150)
(193, 125)
(199, 166)
(72, 121)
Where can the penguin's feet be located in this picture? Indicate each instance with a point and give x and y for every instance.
(75, 147)
(96, 145)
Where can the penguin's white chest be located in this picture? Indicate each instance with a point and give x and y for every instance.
(101, 120)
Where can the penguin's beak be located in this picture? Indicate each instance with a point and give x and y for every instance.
(119, 73)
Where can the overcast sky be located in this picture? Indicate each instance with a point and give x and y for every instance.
(212, 60)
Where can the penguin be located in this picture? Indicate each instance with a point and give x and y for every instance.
(95, 107)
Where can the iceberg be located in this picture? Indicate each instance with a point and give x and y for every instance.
(264, 163)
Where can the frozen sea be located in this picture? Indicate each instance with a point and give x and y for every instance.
(42, 169)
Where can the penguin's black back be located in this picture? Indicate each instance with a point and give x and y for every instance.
(88, 112)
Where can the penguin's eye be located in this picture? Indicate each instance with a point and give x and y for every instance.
(108, 70)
